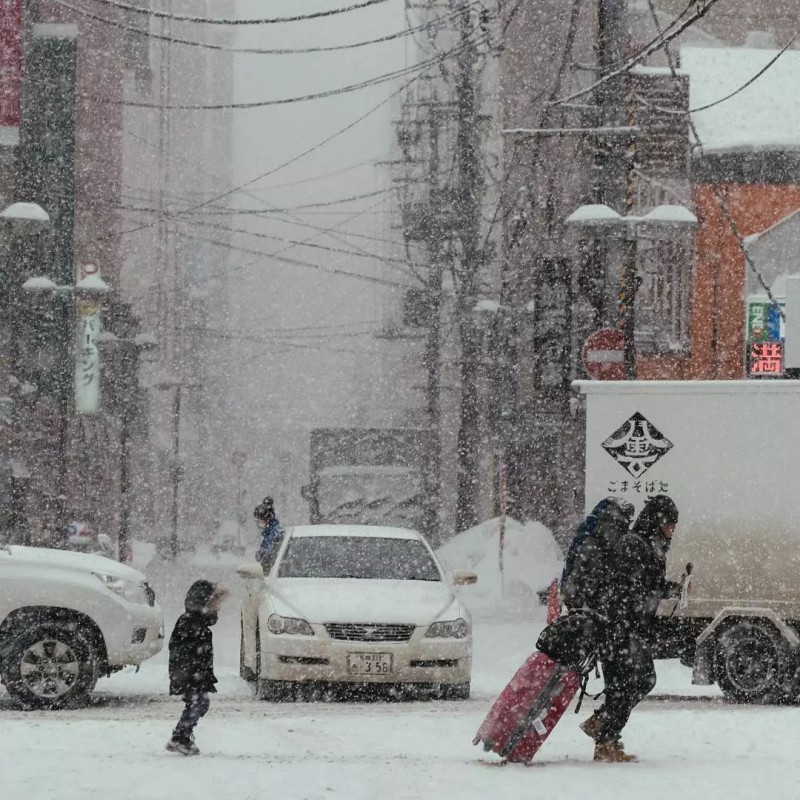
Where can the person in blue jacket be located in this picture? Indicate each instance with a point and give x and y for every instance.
(271, 532)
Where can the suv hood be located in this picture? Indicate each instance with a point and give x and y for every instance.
(77, 562)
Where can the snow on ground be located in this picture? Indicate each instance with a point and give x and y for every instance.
(691, 746)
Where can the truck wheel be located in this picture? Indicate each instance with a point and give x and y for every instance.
(50, 666)
(753, 662)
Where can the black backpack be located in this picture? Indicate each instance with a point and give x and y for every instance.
(588, 528)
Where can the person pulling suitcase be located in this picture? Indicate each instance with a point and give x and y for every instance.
(624, 583)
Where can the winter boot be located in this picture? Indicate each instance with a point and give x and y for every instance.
(612, 753)
(184, 748)
(591, 726)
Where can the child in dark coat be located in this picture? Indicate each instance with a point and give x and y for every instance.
(191, 661)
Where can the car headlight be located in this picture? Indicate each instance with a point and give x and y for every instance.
(131, 591)
(450, 629)
(294, 627)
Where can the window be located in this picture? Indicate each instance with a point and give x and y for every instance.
(662, 303)
(358, 557)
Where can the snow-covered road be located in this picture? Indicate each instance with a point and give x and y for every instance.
(695, 747)
(701, 749)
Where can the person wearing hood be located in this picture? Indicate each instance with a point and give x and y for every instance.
(191, 661)
(637, 587)
(271, 532)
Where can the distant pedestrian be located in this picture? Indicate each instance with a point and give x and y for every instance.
(271, 533)
(191, 661)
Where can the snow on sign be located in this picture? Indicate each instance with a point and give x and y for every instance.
(603, 355)
(636, 445)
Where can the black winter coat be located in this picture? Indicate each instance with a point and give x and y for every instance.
(640, 580)
(191, 651)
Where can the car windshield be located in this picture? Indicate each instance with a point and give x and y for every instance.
(358, 557)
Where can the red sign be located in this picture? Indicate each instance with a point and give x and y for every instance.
(765, 359)
(10, 61)
(604, 355)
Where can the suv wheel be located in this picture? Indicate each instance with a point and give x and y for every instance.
(50, 666)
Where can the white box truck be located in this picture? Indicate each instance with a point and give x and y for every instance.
(728, 453)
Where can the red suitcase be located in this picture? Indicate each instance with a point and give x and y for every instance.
(528, 709)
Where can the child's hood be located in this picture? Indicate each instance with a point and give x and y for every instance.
(199, 596)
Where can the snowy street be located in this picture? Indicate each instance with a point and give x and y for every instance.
(398, 751)
(692, 746)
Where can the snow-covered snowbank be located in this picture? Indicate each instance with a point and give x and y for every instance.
(531, 560)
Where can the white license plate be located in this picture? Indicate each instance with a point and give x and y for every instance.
(369, 663)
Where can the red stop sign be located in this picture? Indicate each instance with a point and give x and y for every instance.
(604, 355)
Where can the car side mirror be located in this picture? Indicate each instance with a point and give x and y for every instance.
(250, 572)
(464, 577)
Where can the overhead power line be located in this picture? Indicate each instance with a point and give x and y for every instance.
(277, 51)
(228, 21)
(281, 210)
(282, 165)
(297, 262)
(374, 81)
(661, 43)
(359, 253)
(739, 90)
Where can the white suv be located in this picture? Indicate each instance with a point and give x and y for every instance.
(67, 619)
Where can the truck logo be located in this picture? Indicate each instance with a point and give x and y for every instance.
(637, 445)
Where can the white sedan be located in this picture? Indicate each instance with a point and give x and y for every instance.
(352, 604)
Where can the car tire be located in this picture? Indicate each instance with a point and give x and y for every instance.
(276, 691)
(753, 662)
(456, 691)
(50, 666)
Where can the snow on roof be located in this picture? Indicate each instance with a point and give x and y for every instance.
(370, 531)
(763, 116)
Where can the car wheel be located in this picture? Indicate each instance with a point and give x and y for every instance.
(752, 662)
(276, 691)
(50, 666)
(456, 691)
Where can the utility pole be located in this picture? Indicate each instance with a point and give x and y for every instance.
(611, 162)
(616, 162)
(468, 229)
(433, 345)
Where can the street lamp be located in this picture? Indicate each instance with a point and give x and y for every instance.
(178, 385)
(130, 350)
(25, 218)
(660, 223)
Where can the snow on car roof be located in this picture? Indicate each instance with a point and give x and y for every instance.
(368, 531)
